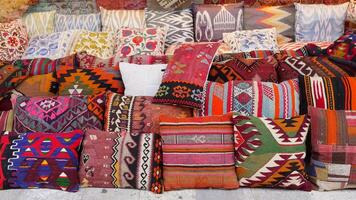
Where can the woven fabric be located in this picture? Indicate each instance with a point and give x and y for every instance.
(244, 69)
(66, 7)
(168, 4)
(89, 22)
(13, 40)
(280, 17)
(10, 77)
(186, 74)
(327, 93)
(6, 121)
(211, 21)
(270, 152)
(333, 140)
(291, 68)
(40, 160)
(121, 160)
(39, 23)
(73, 81)
(260, 99)
(198, 153)
(114, 20)
(40, 85)
(299, 45)
(118, 4)
(343, 49)
(137, 114)
(56, 114)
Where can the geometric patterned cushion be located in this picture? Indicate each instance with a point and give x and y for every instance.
(333, 164)
(40, 85)
(121, 160)
(57, 114)
(270, 152)
(40, 160)
(10, 77)
(74, 81)
(344, 47)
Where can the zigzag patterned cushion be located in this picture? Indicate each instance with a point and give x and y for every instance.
(270, 152)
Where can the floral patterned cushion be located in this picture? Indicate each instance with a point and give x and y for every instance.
(251, 40)
(146, 41)
(95, 43)
(13, 40)
(52, 46)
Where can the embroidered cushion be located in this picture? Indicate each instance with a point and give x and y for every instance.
(39, 23)
(6, 121)
(186, 74)
(327, 93)
(270, 152)
(13, 40)
(280, 17)
(251, 40)
(332, 136)
(127, 4)
(114, 20)
(89, 22)
(141, 80)
(198, 153)
(142, 41)
(57, 114)
(137, 114)
(67, 7)
(99, 44)
(238, 68)
(211, 21)
(52, 46)
(260, 99)
(40, 160)
(121, 160)
(179, 24)
(343, 49)
(74, 81)
(319, 22)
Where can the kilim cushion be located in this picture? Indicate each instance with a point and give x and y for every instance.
(270, 152)
(58, 114)
(73, 81)
(6, 120)
(260, 99)
(244, 69)
(126, 4)
(343, 49)
(121, 160)
(10, 77)
(39, 85)
(184, 79)
(198, 153)
(327, 92)
(13, 40)
(333, 142)
(40, 160)
(137, 114)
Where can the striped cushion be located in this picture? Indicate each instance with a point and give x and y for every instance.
(333, 136)
(252, 98)
(198, 153)
(6, 120)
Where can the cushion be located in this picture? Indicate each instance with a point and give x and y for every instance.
(88, 61)
(39, 85)
(56, 114)
(238, 68)
(270, 152)
(280, 17)
(186, 74)
(343, 49)
(260, 99)
(121, 160)
(10, 77)
(6, 121)
(319, 22)
(198, 153)
(13, 40)
(292, 67)
(67, 7)
(141, 41)
(127, 4)
(141, 80)
(333, 160)
(179, 24)
(41, 160)
(14, 9)
(211, 21)
(168, 4)
(52, 45)
(99, 44)
(113, 20)
(251, 40)
(73, 81)
(39, 23)
(89, 22)
(334, 93)
(351, 11)
(137, 114)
